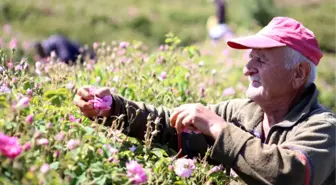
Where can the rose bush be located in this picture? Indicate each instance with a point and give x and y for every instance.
(45, 140)
(48, 141)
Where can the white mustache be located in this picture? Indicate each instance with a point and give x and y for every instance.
(254, 78)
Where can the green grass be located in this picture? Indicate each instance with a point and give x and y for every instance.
(103, 20)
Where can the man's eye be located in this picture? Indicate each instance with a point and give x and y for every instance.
(260, 60)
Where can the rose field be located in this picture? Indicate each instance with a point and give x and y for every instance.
(44, 138)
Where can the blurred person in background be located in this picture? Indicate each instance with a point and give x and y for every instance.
(66, 50)
(217, 26)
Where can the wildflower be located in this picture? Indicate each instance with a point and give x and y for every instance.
(213, 71)
(22, 103)
(9, 146)
(187, 92)
(229, 91)
(201, 63)
(98, 79)
(171, 167)
(25, 66)
(29, 91)
(44, 168)
(132, 149)
(29, 119)
(7, 28)
(42, 141)
(163, 75)
(10, 65)
(123, 44)
(59, 136)
(113, 159)
(95, 45)
(18, 67)
(202, 89)
(15, 79)
(72, 144)
(49, 125)
(111, 149)
(4, 89)
(13, 43)
(26, 146)
(135, 172)
(215, 169)
(33, 168)
(73, 119)
(90, 67)
(70, 85)
(184, 167)
(164, 47)
(100, 151)
(56, 153)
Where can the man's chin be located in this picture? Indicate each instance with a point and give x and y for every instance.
(252, 94)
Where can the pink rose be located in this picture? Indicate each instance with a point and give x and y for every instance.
(184, 167)
(9, 146)
(136, 172)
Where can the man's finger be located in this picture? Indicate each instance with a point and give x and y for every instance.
(92, 113)
(82, 104)
(84, 93)
(179, 121)
(101, 92)
(173, 117)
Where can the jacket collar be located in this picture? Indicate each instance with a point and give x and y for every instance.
(298, 112)
(302, 109)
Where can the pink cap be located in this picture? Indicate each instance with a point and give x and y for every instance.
(282, 31)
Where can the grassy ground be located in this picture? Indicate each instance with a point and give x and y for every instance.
(104, 20)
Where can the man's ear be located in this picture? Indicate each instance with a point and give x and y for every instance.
(301, 74)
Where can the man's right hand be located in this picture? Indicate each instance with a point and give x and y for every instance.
(85, 94)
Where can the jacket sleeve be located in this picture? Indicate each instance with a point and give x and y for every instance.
(306, 158)
(135, 116)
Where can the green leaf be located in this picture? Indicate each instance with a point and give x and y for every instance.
(54, 165)
(10, 125)
(97, 168)
(159, 152)
(100, 180)
(56, 97)
(88, 130)
(81, 179)
(28, 84)
(5, 181)
(3, 102)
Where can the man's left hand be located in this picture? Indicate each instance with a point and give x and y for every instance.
(197, 117)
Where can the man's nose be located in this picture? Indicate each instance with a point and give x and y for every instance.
(249, 70)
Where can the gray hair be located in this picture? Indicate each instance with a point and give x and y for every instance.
(293, 57)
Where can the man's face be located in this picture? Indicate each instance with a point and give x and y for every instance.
(269, 79)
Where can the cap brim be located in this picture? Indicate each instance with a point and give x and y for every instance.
(254, 42)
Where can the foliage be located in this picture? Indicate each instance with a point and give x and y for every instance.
(105, 20)
(320, 18)
(60, 146)
(252, 13)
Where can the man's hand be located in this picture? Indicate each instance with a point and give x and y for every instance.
(197, 117)
(84, 100)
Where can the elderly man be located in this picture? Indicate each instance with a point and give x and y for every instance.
(279, 135)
